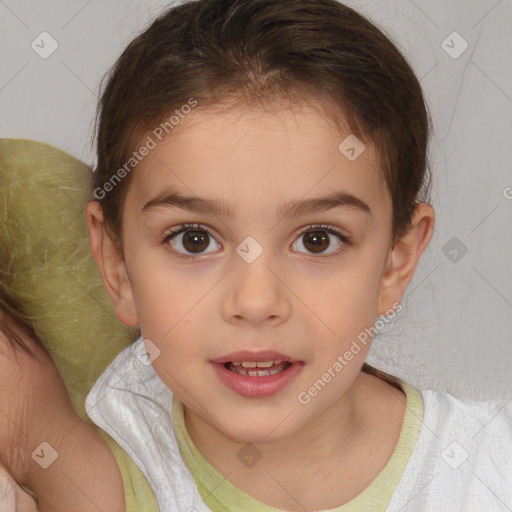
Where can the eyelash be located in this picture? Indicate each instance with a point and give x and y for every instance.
(312, 227)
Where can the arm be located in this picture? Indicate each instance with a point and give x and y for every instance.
(34, 409)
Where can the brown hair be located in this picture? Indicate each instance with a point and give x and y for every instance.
(12, 312)
(254, 52)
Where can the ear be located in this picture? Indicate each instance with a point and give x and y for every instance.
(111, 265)
(404, 257)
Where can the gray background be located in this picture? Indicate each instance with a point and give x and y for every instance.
(454, 333)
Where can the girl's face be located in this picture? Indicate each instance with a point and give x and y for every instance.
(253, 273)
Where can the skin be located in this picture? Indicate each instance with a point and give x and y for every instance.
(12, 496)
(35, 408)
(290, 299)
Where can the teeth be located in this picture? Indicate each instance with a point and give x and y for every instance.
(259, 364)
(265, 364)
(255, 371)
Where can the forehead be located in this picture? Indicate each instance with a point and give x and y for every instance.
(253, 157)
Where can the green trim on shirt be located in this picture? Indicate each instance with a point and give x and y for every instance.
(137, 491)
(222, 496)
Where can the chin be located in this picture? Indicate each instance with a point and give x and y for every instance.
(256, 432)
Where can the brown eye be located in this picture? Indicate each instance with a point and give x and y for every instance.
(190, 240)
(195, 241)
(318, 239)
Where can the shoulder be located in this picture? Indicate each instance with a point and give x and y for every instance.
(36, 408)
(477, 433)
(19, 369)
(462, 459)
(33, 398)
(481, 418)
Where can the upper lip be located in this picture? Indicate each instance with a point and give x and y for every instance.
(246, 355)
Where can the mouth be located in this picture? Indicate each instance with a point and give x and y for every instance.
(258, 369)
(257, 379)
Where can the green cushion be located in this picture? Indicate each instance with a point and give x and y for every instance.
(46, 265)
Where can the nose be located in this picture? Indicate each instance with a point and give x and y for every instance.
(256, 294)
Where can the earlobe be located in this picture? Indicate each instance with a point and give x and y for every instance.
(404, 257)
(111, 266)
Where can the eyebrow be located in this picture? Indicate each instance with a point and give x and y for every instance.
(296, 207)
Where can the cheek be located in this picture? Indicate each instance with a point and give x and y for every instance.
(165, 299)
(182, 351)
(340, 320)
(347, 302)
(173, 320)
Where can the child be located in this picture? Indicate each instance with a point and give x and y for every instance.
(260, 186)
(260, 196)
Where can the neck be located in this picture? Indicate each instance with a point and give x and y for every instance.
(310, 457)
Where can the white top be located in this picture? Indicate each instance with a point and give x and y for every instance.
(462, 460)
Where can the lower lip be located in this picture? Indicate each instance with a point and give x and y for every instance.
(257, 387)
